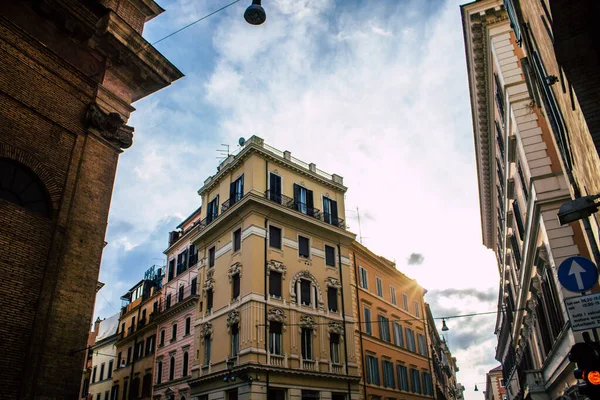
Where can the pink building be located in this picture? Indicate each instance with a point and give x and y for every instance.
(175, 321)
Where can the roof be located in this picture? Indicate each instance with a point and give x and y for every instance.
(108, 327)
(189, 217)
(498, 368)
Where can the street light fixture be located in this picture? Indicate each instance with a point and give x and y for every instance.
(255, 14)
(476, 388)
(574, 210)
(444, 326)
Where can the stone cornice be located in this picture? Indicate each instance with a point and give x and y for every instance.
(177, 308)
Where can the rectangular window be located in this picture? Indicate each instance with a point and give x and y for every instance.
(499, 97)
(330, 211)
(519, 219)
(236, 190)
(427, 384)
(128, 355)
(276, 394)
(94, 374)
(188, 325)
(303, 200)
(150, 344)
(140, 350)
(274, 192)
(410, 340)
(405, 301)
(125, 393)
(194, 286)
(192, 255)
(275, 345)
(368, 326)
(384, 328)
(417, 309)
(106, 395)
(209, 300)
(274, 237)
(182, 262)
(310, 395)
(372, 370)
(237, 240)
(388, 374)
(379, 286)
(212, 210)
(207, 350)
(334, 348)
(305, 288)
(513, 18)
(306, 342)
(398, 337)
(235, 340)
(98, 396)
(303, 247)
(181, 293)
(101, 372)
(415, 380)
(275, 284)
(235, 287)
(402, 377)
(363, 278)
(422, 344)
(330, 256)
(211, 257)
(110, 369)
(332, 299)
(168, 301)
(162, 338)
(171, 269)
(393, 295)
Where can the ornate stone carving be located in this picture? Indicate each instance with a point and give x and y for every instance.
(277, 266)
(306, 275)
(333, 282)
(233, 318)
(335, 327)
(233, 270)
(276, 315)
(111, 126)
(308, 321)
(207, 330)
(209, 283)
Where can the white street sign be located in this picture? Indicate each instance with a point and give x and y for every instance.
(584, 311)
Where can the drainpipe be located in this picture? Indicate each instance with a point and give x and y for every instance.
(360, 333)
(344, 319)
(429, 358)
(133, 354)
(266, 337)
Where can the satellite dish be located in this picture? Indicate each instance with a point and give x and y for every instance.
(241, 141)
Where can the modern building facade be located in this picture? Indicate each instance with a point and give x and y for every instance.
(526, 171)
(444, 366)
(494, 385)
(103, 356)
(177, 315)
(275, 274)
(136, 343)
(70, 71)
(391, 329)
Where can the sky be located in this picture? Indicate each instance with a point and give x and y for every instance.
(374, 91)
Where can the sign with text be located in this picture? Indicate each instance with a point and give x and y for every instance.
(584, 311)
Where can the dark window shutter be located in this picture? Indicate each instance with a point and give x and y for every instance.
(275, 284)
(236, 286)
(274, 237)
(303, 244)
(297, 196)
(171, 269)
(310, 203)
(209, 299)
(334, 212)
(329, 256)
(237, 239)
(332, 299)
(275, 187)
(232, 196)
(194, 285)
(305, 291)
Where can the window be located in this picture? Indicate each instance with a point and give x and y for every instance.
(330, 211)
(379, 286)
(303, 247)
(235, 340)
(98, 396)
(237, 240)
(235, 287)
(334, 348)
(513, 18)
(372, 370)
(211, 257)
(85, 388)
(405, 301)
(171, 269)
(162, 337)
(212, 210)
(276, 394)
(275, 329)
(94, 374)
(172, 368)
(274, 192)
(150, 344)
(128, 355)
(110, 369)
(140, 350)
(388, 374)
(332, 297)
(402, 377)
(194, 286)
(519, 219)
(182, 262)
(393, 294)
(303, 200)
(106, 395)
(192, 255)
(173, 332)
(275, 284)
(21, 186)
(306, 342)
(363, 278)
(384, 328)
(417, 309)
(188, 324)
(209, 300)
(180, 294)
(410, 340)
(422, 345)
(207, 343)
(310, 395)
(125, 384)
(168, 301)
(114, 392)
(499, 97)
(398, 337)
(274, 237)
(236, 190)
(120, 362)
(415, 381)
(368, 326)
(330, 256)
(184, 368)
(427, 384)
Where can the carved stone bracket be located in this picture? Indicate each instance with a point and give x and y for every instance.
(207, 330)
(276, 315)
(336, 327)
(234, 270)
(209, 284)
(333, 282)
(308, 321)
(276, 266)
(233, 318)
(110, 125)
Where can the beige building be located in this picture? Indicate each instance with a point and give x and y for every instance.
(103, 354)
(275, 312)
(494, 387)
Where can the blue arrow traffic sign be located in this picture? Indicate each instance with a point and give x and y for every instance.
(577, 274)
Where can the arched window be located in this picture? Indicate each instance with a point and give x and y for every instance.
(21, 186)
(184, 369)
(172, 369)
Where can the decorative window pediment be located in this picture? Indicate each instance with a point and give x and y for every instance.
(207, 330)
(336, 327)
(277, 266)
(235, 269)
(233, 318)
(305, 274)
(276, 315)
(333, 282)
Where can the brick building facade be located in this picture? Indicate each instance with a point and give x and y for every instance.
(69, 71)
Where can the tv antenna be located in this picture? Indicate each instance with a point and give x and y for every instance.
(360, 236)
(223, 153)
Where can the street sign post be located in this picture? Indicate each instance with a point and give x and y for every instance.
(577, 274)
(584, 311)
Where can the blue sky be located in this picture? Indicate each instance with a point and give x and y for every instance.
(374, 91)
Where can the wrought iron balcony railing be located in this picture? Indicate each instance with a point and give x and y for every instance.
(231, 201)
(288, 202)
(333, 220)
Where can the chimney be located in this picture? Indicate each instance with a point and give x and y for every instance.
(97, 325)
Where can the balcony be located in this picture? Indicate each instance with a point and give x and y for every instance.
(309, 365)
(231, 201)
(277, 360)
(288, 202)
(175, 297)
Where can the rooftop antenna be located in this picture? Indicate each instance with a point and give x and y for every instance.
(360, 236)
(224, 152)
